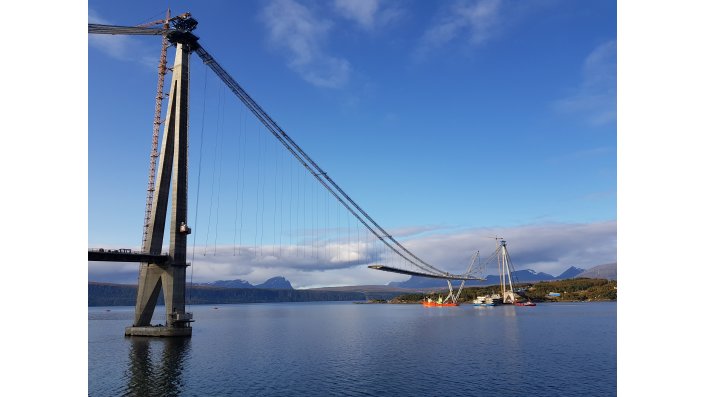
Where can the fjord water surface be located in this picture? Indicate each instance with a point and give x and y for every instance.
(341, 348)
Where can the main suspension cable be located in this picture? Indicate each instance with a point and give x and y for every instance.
(318, 173)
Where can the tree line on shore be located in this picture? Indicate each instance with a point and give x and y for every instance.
(571, 290)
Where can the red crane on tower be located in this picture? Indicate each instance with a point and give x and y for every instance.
(159, 99)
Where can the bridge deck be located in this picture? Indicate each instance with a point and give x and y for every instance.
(413, 273)
(123, 256)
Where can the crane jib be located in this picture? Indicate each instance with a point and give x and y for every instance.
(94, 28)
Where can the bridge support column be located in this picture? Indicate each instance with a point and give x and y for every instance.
(173, 168)
(150, 284)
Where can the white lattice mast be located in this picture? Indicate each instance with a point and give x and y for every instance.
(507, 296)
(500, 266)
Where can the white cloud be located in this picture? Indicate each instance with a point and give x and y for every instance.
(360, 11)
(295, 29)
(475, 22)
(369, 14)
(415, 230)
(596, 98)
(114, 45)
(113, 272)
(550, 248)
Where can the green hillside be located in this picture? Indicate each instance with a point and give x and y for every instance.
(572, 290)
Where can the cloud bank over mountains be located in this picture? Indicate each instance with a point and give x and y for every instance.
(549, 248)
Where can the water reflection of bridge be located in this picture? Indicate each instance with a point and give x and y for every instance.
(156, 366)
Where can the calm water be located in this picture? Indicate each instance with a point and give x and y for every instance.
(310, 349)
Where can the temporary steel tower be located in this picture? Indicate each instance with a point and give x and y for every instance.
(155, 128)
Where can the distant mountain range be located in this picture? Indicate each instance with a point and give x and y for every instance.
(571, 272)
(370, 291)
(607, 271)
(272, 283)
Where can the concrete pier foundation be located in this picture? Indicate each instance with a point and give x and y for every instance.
(158, 331)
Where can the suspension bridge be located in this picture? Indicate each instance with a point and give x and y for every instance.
(299, 210)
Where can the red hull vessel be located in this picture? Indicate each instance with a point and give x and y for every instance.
(436, 304)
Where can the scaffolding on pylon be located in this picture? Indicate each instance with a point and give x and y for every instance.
(159, 99)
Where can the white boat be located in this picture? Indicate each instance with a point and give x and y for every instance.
(483, 301)
(496, 299)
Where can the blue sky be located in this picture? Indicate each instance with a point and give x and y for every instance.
(447, 121)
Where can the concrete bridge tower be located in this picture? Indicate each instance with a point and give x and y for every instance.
(172, 172)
